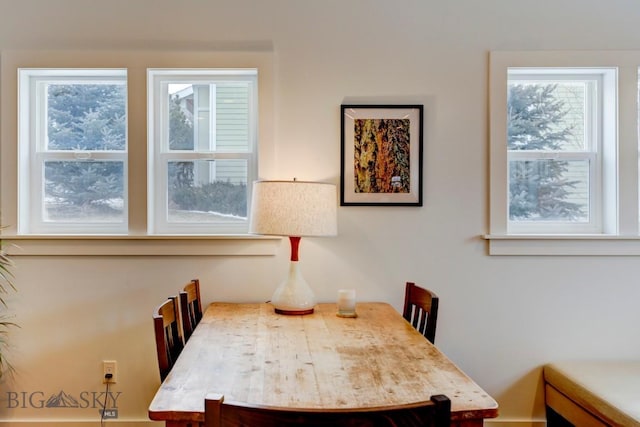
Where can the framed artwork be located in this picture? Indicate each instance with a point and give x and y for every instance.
(381, 155)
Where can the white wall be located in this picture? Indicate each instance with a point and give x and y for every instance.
(501, 317)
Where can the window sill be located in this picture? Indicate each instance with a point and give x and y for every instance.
(223, 245)
(597, 245)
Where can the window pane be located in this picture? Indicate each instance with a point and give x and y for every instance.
(547, 116)
(207, 191)
(86, 116)
(84, 191)
(549, 190)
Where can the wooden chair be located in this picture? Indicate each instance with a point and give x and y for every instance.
(431, 413)
(169, 344)
(421, 310)
(190, 307)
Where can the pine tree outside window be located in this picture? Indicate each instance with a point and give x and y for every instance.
(73, 151)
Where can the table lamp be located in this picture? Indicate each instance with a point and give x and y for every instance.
(293, 209)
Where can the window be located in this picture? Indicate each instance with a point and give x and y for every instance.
(72, 151)
(202, 142)
(563, 133)
(86, 181)
(556, 140)
(73, 146)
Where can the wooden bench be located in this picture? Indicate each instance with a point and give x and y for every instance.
(592, 393)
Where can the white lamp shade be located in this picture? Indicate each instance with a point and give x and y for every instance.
(293, 208)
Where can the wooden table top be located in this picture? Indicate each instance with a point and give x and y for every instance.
(248, 353)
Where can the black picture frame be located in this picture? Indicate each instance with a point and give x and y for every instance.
(381, 155)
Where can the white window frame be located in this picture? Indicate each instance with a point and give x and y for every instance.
(160, 155)
(33, 152)
(618, 233)
(593, 153)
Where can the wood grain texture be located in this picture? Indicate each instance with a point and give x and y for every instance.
(250, 354)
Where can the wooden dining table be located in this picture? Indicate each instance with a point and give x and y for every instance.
(249, 353)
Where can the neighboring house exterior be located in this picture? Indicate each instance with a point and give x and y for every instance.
(219, 116)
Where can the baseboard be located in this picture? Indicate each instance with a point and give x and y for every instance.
(79, 423)
(514, 423)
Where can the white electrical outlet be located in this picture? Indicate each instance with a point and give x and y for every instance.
(109, 367)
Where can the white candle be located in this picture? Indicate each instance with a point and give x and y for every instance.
(347, 301)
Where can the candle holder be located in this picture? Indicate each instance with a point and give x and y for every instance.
(347, 303)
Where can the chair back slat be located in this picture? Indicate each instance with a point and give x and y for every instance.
(421, 310)
(191, 307)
